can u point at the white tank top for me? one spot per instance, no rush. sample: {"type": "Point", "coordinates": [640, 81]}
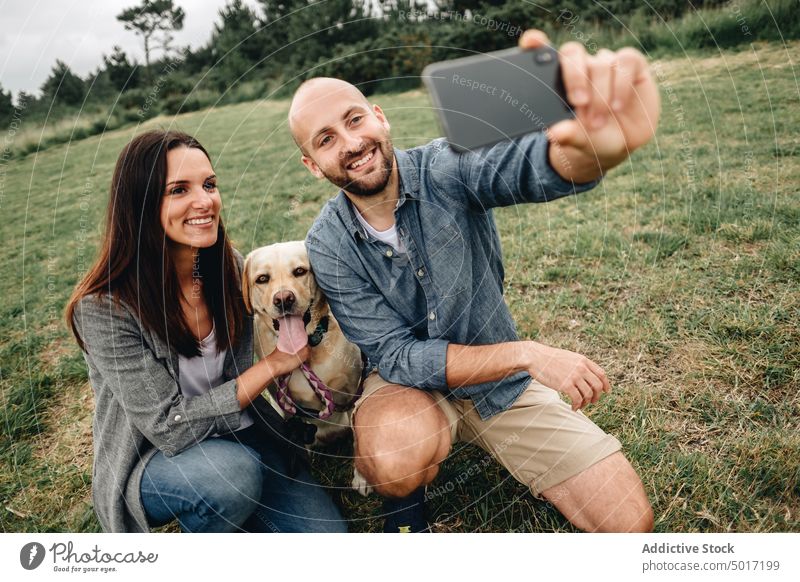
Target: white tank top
{"type": "Point", "coordinates": [201, 373]}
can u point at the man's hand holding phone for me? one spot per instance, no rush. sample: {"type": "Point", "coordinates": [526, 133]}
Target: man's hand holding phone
{"type": "Point", "coordinates": [616, 104]}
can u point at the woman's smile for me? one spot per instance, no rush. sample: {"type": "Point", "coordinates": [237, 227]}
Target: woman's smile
{"type": "Point", "coordinates": [204, 223]}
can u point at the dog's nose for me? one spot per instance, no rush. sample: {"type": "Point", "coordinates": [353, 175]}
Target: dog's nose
{"type": "Point", "coordinates": [284, 300]}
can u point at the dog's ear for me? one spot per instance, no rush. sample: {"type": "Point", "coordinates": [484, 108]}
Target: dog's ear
{"type": "Point", "coordinates": [246, 286]}
{"type": "Point", "coordinates": [320, 303]}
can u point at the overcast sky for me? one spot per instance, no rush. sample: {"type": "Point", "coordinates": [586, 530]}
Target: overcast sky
{"type": "Point", "coordinates": [34, 33]}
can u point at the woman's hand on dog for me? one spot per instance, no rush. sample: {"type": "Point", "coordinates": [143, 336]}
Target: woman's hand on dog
{"type": "Point", "coordinates": [255, 379]}
{"type": "Point", "coordinates": [282, 363]}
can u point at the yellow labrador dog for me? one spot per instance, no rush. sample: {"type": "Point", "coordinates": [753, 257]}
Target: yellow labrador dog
{"type": "Point", "coordinates": [291, 311]}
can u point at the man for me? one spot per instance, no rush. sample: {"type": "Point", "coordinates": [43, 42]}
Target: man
{"type": "Point", "coordinates": [409, 257]}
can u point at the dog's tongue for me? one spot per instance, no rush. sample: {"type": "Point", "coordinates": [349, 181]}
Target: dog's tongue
{"type": "Point", "coordinates": [292, 335]}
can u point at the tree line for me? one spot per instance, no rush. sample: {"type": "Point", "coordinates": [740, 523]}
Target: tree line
{"type": "Point", "coordinates": [379, 45]}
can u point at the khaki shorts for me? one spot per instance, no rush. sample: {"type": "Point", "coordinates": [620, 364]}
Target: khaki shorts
{"type": "Point", "coordinates": [540, 440]}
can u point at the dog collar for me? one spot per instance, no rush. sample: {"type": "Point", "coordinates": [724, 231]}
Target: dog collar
{"type": "Point", "coordinates": [322, 327]}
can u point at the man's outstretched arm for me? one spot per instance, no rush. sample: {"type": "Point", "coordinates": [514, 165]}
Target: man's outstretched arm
{"type": "Point", "coordinates": [563, 371]}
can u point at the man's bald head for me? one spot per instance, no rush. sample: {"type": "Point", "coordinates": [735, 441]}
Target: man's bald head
{"type": "Point", "coordinates": [314, 93]}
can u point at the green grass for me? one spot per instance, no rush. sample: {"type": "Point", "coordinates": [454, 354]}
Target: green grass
{"type": "Point", "coordinates": [733, 26]}
{"type": "Point", "coordinates": [679, 275]}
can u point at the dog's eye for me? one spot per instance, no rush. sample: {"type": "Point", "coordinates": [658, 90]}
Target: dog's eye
{"type": "Point", "coordinates": [300, 271]}
{"type": "Point", "coordinates": [261, 279]}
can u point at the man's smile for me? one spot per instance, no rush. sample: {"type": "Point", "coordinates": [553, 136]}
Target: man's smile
{"type": "Point", "coordinates": [363, 162]}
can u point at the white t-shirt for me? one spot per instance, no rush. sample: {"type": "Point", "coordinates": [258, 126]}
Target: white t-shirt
{"type": "Point", "coordinates": [201, 373]}
{"type": "Point", "coordinates": [388, 236]}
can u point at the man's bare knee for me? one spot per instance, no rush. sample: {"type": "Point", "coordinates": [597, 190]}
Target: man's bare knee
{"type": "Point", "coordinates": [607, 497]}
{"type": "Point", "coordinates": [401, 436]}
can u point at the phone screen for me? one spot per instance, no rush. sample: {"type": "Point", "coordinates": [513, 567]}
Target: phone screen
{"type": "Point", "coordinates": [491, 97]}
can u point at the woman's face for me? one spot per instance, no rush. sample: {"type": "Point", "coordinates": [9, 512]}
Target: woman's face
{"type": "Point", "coordinates": [191, 203]}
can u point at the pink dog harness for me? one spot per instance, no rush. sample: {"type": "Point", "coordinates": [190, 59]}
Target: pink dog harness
{"type": "Point", "coordinates": [289, 406]}
{"type": "Point", "coordinates": [320, 389]}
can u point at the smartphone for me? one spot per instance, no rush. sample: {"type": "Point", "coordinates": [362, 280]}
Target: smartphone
{"type": "Point", "coordinates": [483, 99]}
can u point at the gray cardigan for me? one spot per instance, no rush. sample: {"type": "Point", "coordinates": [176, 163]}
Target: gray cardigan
{"type": "Point", "coordinates": [139, 408]}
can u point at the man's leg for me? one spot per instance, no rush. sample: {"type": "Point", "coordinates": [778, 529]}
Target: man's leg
{"type": "Point", "coordinates": [401, 436]}
{"type": "Point", "coordinates": [606, 497]}
{"type": "Point", "coordinates": [564, 458]}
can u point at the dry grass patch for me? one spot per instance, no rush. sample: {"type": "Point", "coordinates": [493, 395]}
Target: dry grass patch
{"type": "Point", "coordinates": [64, 457]}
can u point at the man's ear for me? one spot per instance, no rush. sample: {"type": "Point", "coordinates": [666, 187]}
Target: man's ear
{"type": "Point", "coordinates": [381, 116]}
{"type": "Point", "coordinates": [246, 285]}
{"type": "Point", "coordinates": [312, 167]}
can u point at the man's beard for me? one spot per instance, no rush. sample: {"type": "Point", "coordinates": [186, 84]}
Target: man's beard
{"type": "Point", "coordinates": [372, 183]}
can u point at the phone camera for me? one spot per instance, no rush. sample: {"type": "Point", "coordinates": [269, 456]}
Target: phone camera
{"type": "Point", "coordinates": [544, 57]}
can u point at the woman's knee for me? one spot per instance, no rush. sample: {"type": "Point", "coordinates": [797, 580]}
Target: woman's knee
{"type": "Point", "coordinates": [214, 486]}
{"type": "Point", "coordinates": [233, 488]}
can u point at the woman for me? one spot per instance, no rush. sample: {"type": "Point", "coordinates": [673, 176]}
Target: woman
{"type": "Point", "coordinates": [180, 429]}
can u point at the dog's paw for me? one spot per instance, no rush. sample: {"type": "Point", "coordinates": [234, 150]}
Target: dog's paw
{"type": "Point", "coordinates": [360, 484]}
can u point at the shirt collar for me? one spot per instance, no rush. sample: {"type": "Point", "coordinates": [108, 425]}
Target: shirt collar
{"type": "Point", "coordinates": [409, 188]}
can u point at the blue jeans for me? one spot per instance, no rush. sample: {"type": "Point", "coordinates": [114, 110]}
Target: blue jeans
{"type": "Point", "coordinates": [220, 485]}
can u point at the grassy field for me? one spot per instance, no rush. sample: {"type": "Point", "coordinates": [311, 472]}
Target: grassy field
{"type": "Point", "coordinates": [679, 275]}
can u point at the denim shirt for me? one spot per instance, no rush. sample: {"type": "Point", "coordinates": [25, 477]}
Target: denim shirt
{"type": "Point", "coordinates": [403, 310]}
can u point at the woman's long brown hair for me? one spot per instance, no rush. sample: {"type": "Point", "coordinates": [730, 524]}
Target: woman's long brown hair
{"type": "Point", "coordinates": [134, 264]}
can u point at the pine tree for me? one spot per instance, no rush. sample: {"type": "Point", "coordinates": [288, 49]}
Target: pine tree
{"type": "Point", "coordinates": [151, 18]}
{"type": "Point", "coordinates": [63, 85]}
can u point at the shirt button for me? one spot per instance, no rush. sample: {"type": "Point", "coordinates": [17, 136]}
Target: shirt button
{"type": "Point", "coordinates": [421, 273]}
{"type": "Point", "coordinates": [177, 418]}
{"type": "Point", "coordinates": [389, 253]}
{"type": "Point", "coordinates": [432, 316]}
